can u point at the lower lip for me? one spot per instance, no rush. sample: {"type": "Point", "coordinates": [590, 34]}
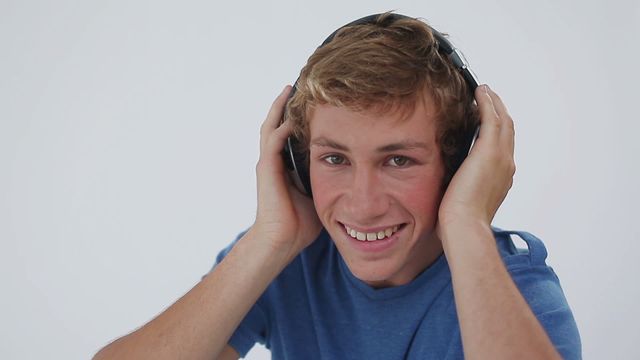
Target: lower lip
{"type": "Point", "coordinates": [376, 246]}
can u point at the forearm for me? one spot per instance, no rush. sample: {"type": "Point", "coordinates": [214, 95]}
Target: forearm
{"type": "Point", "coordinates": [495, 320]}
{"type": "Point", "coordinates": [199, 324]}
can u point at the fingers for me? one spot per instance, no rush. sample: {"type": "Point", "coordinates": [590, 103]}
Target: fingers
{"type": "Point", "coordinates": [278, 137]}
{"type": "Point", "coordinates": [272, 123]}
{"type": "Point", "coordinates": [496, 124]}
{"type": "Point", "coordinates": [273, 135]}
{"type": "Point", "coordinates": [507, 130]}
{"type": "Point", "coordinates": [489, 118]}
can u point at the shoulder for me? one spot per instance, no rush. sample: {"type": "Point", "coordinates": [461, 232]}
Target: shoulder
{"type": "Point", "coordinates": [529, 269]}
{"type": "Point", "coordinates": [535, 253]}
{"type": "Point", "coordinates": [540, 286]}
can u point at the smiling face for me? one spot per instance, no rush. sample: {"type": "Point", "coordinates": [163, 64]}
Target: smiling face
{"type": "Point", "coordinates": [377, 186]}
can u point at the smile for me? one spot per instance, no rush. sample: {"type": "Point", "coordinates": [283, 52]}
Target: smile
{"type": "Point", "coordinates": [371, 236]}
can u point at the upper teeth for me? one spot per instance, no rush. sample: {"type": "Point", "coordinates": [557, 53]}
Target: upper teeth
{"type": "Point", "coordinates": [371, 236]}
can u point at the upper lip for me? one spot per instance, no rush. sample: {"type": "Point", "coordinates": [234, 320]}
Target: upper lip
{"type": "Point", "coordinates": [369, 230]}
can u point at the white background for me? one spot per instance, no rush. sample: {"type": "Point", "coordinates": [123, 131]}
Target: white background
{"type": "Point", "coordinates": [129, 137]}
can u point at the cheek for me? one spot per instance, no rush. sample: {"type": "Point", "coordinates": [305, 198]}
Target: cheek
{"type": "Point", "coordinates": [422, 198]}
{"type": "Point", "coordinates": [325, 187]}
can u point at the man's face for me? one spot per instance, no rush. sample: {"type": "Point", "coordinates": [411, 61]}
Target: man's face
{"type": "Point", "coordinates": [378, 174]}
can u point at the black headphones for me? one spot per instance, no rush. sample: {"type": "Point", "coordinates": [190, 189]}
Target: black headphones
{"type": "Point", "coordinates": [296, 162]}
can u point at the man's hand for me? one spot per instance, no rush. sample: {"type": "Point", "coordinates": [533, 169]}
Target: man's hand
{"type": "Point", "coordinates": [286, 219]}
{"type": "Point", "coordinates": [486, 175]}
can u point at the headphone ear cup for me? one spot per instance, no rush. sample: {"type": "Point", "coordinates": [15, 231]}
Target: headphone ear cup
{"type": "Point", "coordinates": [296, 162]}
{"type": "Point", "coordinates": [295, 159]}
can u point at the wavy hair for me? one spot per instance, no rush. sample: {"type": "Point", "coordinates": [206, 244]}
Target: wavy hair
{"type": "Point", "coordinates": [387, 66]}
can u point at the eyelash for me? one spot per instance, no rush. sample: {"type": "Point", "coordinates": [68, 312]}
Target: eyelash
{"type": "Point", "coordinates": [408, 161]}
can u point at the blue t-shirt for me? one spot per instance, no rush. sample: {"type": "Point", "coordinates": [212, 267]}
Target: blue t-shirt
{"type": "Point", "coordinates": [317, 309]}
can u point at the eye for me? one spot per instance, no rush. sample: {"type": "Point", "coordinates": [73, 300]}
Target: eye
{"type": "Point", "coordinates": [334, 159]}
{"type": "Point", "coordinates": [399, 161]}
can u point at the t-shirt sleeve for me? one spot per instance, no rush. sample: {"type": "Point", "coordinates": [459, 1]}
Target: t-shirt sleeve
{"type": "Point", "coordinates": [253, 328]}
{"type": "Point", "coordinates": [541, 288]}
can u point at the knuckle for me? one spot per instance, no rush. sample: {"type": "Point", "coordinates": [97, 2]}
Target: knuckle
{"type": "Point", "coordinates": [265, 125]}
{"type": "Point", "coordinates": [508, 118]}
{"type": "Point", "coordinates": [261, 166]}
{"type": "Point", "coordinates": [510, 123]}
{"type": "Point", "coordinates": [282, 132]}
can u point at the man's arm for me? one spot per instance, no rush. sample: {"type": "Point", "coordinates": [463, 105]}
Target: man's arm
{"type": "Point", "coordinates": [199, 325]}
{"type": "Point", "coordinates": [495, 319]}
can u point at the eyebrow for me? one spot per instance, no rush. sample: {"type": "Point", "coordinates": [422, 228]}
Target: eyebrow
{"type": "Point", "coordinates": [402, 145]}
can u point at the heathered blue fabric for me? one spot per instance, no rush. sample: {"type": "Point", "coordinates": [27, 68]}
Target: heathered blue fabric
{"type": "Point", "coordinates": [317, 309]}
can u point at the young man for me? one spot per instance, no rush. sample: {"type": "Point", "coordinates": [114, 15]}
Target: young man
{"type": "Point", "coordinates": [394, 256]}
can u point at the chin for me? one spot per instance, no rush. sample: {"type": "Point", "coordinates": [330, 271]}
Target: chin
{"type": "Point", "coordinates": [376, 275]}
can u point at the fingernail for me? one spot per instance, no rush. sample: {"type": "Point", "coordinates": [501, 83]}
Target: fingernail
{"type": "Point", "coordinates": [284, 90]}
{"type": "Point", "coordinates": [486, 89]}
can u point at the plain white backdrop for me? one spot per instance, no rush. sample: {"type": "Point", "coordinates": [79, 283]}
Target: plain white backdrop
{"type": "Point", "coordinates": [129, 137]}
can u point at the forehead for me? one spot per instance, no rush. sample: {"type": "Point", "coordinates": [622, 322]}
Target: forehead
{"type": "Point", "coordinates": [417, 124]}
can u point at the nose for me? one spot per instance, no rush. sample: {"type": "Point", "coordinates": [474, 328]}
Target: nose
{"type": "Point", "coordinates": [366, 201]}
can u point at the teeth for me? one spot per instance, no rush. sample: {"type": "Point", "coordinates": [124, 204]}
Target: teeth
{"type": "Point", "coordinates": [371, 236]}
